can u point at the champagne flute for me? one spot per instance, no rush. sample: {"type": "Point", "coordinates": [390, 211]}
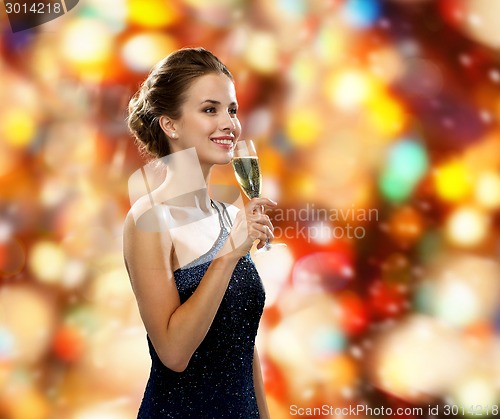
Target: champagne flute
{"type": "Point", "coordinates": [246, 168]}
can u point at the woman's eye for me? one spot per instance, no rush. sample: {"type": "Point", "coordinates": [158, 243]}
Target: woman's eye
{"type": "Point", "coordinates": [209, 110]}
{"type": "Point", "coordinates": [233, 111]}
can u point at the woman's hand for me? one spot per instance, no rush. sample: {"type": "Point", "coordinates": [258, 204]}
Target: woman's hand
{"type": "Point", "coordinates": [250, 224]}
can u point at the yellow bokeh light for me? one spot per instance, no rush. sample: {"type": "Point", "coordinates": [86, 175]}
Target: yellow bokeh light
{"type": "Point", "coordinates": [350, 89]}
{"type": "Point", "coordinates": [390, 374]}
{"type": "Point", "coordinates": [300, 187]}
{"type": "Point", "coordinates": [17, 127]}
{"type": "Point", "coordinates": [47, 261]}
{"type": "Point", "coordinates": [303, 72]}
{"type": "Point", "coordinates": [478, 391]}
{"type": "Point", "coordinates": [262, 52]}
{"type": "Point", "coordinates": [143, 51]}
{"type": "Point", "coordinates": [337, 373]}
{"type": "Point", "coordinates": [458, 305]}
{"type": "Point", "coordinates": [30, 319]}
{"type": "Point", "coordinates": [386, 115]}
{"type": "Point", "coordinates": [200, 4]}
{"type": "Point", "coordinates": [28, 402]}
{"type": "Point", "coordinates": [110, 286]}
{"type": "Point", "coordinates": [467, 226]}
{"type": "Point", "coordinates": [487, 190]}
{"type": "Point", "coordinates": [413, 360]}
{"type": "Point", "coordinates": [331, 43]}
{"type": "Point", "coordinates": [87, 44]}
{"type": "Point", "coordinates": [465, 289]}
{"type": "Point", "coordinates": [303, 127]}
{"type": "Point", "coordinates": [152, 13]}
{"type": "Point", "coordinates": [452, 181]}
{"type": "Point", "coordinates": [276, 408]}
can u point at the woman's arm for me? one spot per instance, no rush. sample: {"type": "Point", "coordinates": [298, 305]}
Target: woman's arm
{"type": "Point", "coordinates": [259, 387]}
{"type": "Point", "coordinates": [176, 330]}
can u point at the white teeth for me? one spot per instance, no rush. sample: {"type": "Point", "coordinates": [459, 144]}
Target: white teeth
{"type": "Point", "coordinates": [227, 142]}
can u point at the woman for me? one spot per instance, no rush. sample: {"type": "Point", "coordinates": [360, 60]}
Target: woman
{"type": "Point", "coordinates": [198, 292]}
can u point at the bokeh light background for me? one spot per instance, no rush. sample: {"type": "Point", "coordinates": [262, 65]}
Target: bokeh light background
{"type": "Point", "coordinates": [382, 114]}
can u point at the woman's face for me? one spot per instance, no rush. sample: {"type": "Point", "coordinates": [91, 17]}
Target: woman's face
{"type": "Point", "coordinates": [208, 120]}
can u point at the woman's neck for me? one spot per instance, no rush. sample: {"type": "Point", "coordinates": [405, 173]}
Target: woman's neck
{"type": "Point", "coordinates": [186, 182]}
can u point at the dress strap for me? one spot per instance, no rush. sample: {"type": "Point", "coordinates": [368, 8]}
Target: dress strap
{"type": "Point", "coordinates": [221, 219]}
{"type": "Point", "coordinates": [224, 216]}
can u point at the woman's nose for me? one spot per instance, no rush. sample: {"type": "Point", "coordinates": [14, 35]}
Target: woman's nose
{"type": "Point", "coordinates": [228, 121]}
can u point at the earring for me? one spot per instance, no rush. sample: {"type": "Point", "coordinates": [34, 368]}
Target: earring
{"type": "Point", "coordinates": [174, 135]}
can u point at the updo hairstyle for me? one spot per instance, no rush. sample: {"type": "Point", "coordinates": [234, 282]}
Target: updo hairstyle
{"type": "Point", "coordinates": [164, 92]}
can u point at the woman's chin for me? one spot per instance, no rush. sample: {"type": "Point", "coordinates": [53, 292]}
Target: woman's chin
{"type": "Point", "coordinates": [223, 158]}
{"type": "Point", "coordinates": [223, 162]}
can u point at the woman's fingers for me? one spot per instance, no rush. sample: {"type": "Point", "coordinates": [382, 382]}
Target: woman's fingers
{"type": "Point", "coordinates": [262, 222]}
{"type": "Point", "coordinates": [265, 220]}
{"type": "Point", "coordinates": [256, 204]}
{"type": "Point", "coordinates": [265, 231]}
{"type": "Point", "coordinates": [252, 224]}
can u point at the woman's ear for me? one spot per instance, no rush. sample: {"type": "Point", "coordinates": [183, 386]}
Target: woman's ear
{"type": "Point", "coordinates": [168, 127]}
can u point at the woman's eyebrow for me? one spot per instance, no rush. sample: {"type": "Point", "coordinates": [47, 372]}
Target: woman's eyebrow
{"type": "Point", "coordinates": [213, 102]}
{"type": "Point", "coordinates": [216, 102]}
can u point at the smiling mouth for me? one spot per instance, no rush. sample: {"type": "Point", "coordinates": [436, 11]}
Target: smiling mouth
{"type": "Point", "coordinates": [222, 141]}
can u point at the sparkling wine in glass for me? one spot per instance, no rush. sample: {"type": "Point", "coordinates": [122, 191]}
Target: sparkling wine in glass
{"type": "Point", "coordinates": [246, 168]}
{"type": "Point", "coordinates": [247, 171]}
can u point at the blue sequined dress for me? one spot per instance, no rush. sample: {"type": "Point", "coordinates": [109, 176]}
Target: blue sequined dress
{"type": "Point", "coordinates": [218, 381]}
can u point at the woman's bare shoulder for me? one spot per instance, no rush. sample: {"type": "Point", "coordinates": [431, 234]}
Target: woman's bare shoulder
{"type": "Point", "coordinates": [145, 217]}
{"type": "Point", "coordinates": [146, 241]}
